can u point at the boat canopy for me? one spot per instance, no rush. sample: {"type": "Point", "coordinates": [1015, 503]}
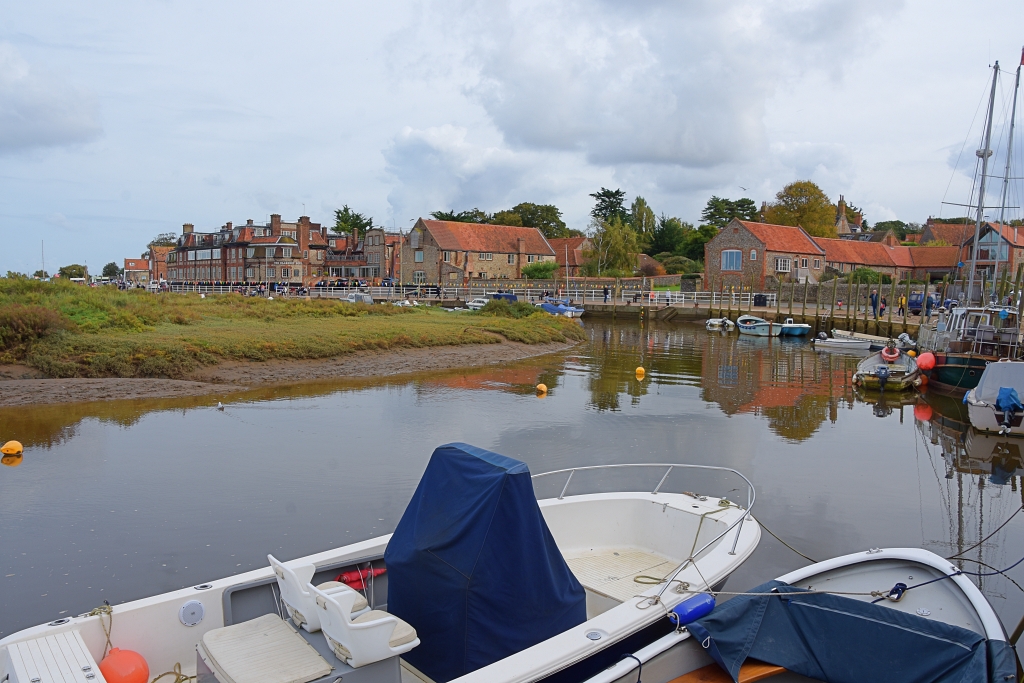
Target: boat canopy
{"type": "Point", "coordinates": [998, 375]}
{"type": "Point", "coordinates": [473, 567]}
{"type": "Point", "coordinates": [842, 640]}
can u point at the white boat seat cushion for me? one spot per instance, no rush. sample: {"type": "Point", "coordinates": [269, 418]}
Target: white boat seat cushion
{"type": "Point", "coordinates": [263, 650]}
{"type": "Point", "coordinates": [402, 634]}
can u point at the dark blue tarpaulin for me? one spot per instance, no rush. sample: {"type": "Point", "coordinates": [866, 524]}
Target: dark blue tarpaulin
{"type": "Point", "coordinates": [473, 567]}
{"type": "Point", "coordinates": [841, 640]}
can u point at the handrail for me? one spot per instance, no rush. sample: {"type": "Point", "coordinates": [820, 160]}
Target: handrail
{"type": "Point", "coordinates": [738, 524]}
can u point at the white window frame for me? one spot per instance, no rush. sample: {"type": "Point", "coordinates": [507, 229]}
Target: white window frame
{"type": "Point", "coordinates": [783, 264]}
{"type": "Point", "coordinates": [271, 271]}
{"type": "Point", "coordinates": [817, 264]}
{"type": "Point", "coordinates": [419, 277]}
{"type": "Point", "coordinates": [446, 256]}
{"type": "Point", "coordinates": [738, 258]}
{"type": "Point", "coordinates": [485, 256]}
{"type": "Point", "coordinates": [249, 273]}
{"type": "Point", "coordinates": [286, 252]}
{"type": "Point", "coordinates": [753, 254]}
{"type": "Point", "coordinates": [250, 252]}
{"type": "Point", "coordinates": [511, 259]}
{"type": "Point", "coordinates": [417, 256]}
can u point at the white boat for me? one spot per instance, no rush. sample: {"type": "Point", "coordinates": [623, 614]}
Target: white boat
{"type": "Point", "coordinates": [994, 405]}
{"type": "Point", "coordinates": [719, 324]}
{"type": "Point", "coordinates": [889, 368]}
{"type": "Point", "coordinates": [477, 304]}
{"type": "Point", "coordinates": [824, 342]}
{"type": "Point", "coordinates": [792, 329]}
{"type": "Point", "coordinates": [758, 327]}
{"type": "Point", "coordinates": [616, 561]}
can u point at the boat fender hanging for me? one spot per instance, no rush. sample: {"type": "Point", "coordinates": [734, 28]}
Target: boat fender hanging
{"type": "Point", "coordinates": [926, 361]}
{"type": "Point", "coordinates": [692, 609]}
{"type": "Point", "coordinates": [124, 666]}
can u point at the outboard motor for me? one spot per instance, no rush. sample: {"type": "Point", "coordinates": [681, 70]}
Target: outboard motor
{"type": "Point", "coordinates": [905, 339]}
{"type": "Point", "coordinates": [882, 373]}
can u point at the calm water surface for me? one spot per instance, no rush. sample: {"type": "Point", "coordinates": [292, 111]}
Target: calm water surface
{"type": "Point", "coordinates": [120, 500]}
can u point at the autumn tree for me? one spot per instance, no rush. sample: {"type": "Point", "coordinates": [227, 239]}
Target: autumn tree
{"type": "Point", "coordinates": [614, 248]}
{"type": "Point", "coordinates": [803, 203]}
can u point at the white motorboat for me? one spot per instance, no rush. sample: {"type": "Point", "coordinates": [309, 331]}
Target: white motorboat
{"type": "Point", "coordinates": [606, 566]}
{"type": "Point", "coordinates": [719, 324]}
{"type": "Point", "coordinates": [792, 329]}
{"type": "Point", "coordinates": [824, 342]}
{"type": "Point", "coordinates": [758, 327]}
{"type": "Point", "coordinates": [994, 405]}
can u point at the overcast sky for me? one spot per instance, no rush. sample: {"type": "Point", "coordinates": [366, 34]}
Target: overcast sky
{"type": "Point", "coordinates": [119, 121]}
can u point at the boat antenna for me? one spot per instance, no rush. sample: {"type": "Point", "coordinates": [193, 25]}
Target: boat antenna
{"type": "Point", "coordinates": [984, 154]}
{"type": "Point", "coordinates": [1006, 177]}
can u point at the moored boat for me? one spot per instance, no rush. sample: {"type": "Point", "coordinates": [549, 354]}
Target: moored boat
{"type": "Point", "coordinates": [994, 405]}
{"type": "Point", "coordinates": [966, 339]}
{"type": "Point", "coordinates": [758, 327]}
{"type": "Point", "coordinates": [719, 324]}
{"type": "Point", "coordinates": [560, 307]}
{"type": "Point", "coordinates": [572, 577]}
{"type": "Point", "coordinates": [890, 368]}
{"type": "Point", "coordinates": [792, 329]}
{"type": "Point", "coordinates": [824, 342]}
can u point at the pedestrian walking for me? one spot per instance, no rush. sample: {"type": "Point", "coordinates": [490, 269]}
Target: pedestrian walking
{"type": "Point", "coordinates": [927, 307]}
{"type": "Point", "coordinates": [874, 303]}
{"type": "Point", "coordinates": [607, 294]}
{"type": "Point", "coordinates": [881, 307]}
{"type": "Point", "coordinates": [903, 306]}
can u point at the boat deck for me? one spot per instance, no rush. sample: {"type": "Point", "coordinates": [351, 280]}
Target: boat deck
{"type": "Point", "coordinates": [610, 571]}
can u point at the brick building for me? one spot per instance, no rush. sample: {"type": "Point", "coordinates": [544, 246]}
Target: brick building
{"type": "Point", "coordinates": [292, 253]}
{"type": "Point", "coordinates": [136, 271]}
{"type": "Point", "coordinates": [569, 254]}
{"type": "Point", "coordinates": [448, 252]}
{"type": "Point", "coordinates": [157, 256]}
{"type": "Point", "coordinates": [903, 263]}
{"type": "Point", "coordinates": [743, 252]}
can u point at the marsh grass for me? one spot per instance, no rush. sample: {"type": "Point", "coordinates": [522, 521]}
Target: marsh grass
{"type": "Point", "coordinates": [67, 330]}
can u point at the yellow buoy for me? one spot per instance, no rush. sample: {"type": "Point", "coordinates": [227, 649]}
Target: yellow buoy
{"type": "Point", "coordinates": [911, 353]}
{"type": "Point", "coordinates": [11, 460]}
{"type": "Point", "coordinates": [640, 372]}
{"type": "Point", "coordinates": [12, 448]}
{"type": "Point", "coordinates": [542, 389]}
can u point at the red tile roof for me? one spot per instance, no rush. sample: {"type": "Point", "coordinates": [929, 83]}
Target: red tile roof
{"type": "Point", "coordinates": [782, 238]}
{"type": "Point", "coordinates": [136, 264]}
{"type": "Point", "coordinates": [479, 237]}
{"type": "Point", "coordinates": [851, 251]}
{"type": "Point", "coordinates": [284, 241]}
{"type": "Point", "coordinates": [575, 247]}
{"type": "Point", "coordinates": [935, 257]}
{"type": "Point", "coordinates": [953, 233]}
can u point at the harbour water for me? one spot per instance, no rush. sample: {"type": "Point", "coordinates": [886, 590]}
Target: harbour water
{"type": "Point", "coordinates": [119, 500]}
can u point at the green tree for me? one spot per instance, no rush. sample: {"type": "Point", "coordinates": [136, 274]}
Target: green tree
{"type": "Point", "coordinates": [41, 274]}
{"type": "Point", "coordinates": [898, 227]}
{"type": "Point", "coordinates": [545, 217]}
{"type": "Point", "coordinates": [803, 203]}
{"type": "Point", "coordinates": [348, 221]}
{"type": "Point", "coordinates": [471, 216]}
{"type": "Point", "coordinates": [507, 218]}
{"type": "Point", "coordinates": [111, 270]}
{"type": "Point", "coordinates": [694, 241]}
{"type": "Point", "coordinates": [609, 204]}
{"type": "Point", "coordinates": [541, 270]}
{"type": "Point", "coordinates": [668, 235]}
{"type": "Point", "coordinates": [74, 270]}
{"type": "Point", "coordinates": [642, 220]}
{"type": "Point", "coordinates": [164, 239]}
{"type": "Point", "coordinates": [15, 275]}
{"type": "Point", "coordinates": [719, 211]}
{"type": "Point", "coordinates": [868, 276]}
{"type": "Point", "coordinates": [614, 248]}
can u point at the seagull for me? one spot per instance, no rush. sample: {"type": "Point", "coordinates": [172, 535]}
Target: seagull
{"type": "Point", "coordinates": [220, 406]}
{"type": "Point", "coordinates": [743, 188]}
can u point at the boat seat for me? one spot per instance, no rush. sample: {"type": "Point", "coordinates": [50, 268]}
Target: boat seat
{"type": "Point", "coordinates": [751, 671]}
{"type": "Point", "coordinates": [263, 650]}
{"type": "Point", "coordinates": [367, 638]}
{"type": "Point", "coordinates": [296, 599]}
{"type": "Point", "coordinates": [58, 658]}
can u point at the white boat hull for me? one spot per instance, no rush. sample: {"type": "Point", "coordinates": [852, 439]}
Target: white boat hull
{"type": "Point", "coordinates": [758, 327]}
{"type": "Point", "coordinates": [984, 417]}
{"type": "Point", "coordinates": [842, 344]}
{"type": "Point", "coordinates": [592, 531]}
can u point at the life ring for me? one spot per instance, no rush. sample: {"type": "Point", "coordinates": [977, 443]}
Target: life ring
{"type": "Point", "coordinates": [890, 354]}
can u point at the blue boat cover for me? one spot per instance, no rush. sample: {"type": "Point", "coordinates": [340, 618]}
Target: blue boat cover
{"type": "Point", "coordinates": [1008, 400]}
{"type": "Point", "coordinates": [841, 640]}
{"type": "Point", "coordinates": [473, 567]}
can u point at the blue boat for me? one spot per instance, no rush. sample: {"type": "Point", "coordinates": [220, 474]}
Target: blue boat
{"type": "Point", "coordinates": [561, 307]}
{"type": "Point", "coordinates": [792, 329]}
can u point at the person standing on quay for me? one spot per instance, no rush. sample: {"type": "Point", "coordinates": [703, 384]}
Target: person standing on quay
{"type": "Point", "coordinates": [874, 303]}
{"type": "Point", "coordinates": [927, 306]}
{"type": "Point", "coordinates": [903, 305]}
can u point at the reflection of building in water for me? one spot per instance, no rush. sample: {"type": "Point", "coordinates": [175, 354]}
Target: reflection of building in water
{"type": "Point", "coordinates": [520, 378]}
{"type": "Point", "coordinates": [788, 383]}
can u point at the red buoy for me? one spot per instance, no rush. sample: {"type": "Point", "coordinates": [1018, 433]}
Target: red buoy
{"type": "Point", "coordinates": [923, 412]}
{"type": "Point", "coordinates": [926, 361]}
{"type": "Point", "coordinates": [124, 666]}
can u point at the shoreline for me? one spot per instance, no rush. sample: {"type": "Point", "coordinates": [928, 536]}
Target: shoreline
{"type": "Point", "coordinates": [22, 385]}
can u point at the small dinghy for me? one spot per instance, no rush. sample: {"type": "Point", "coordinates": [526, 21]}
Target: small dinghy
{"type": "Point", "coordinates": [995, 405]}
{"type": "Point", "coordinates": [792, 329]}
{"type": "Point", "coordinates": [719, 324]}
{"type": "Point", "coordinates": [890, 368]}
{"type": "Point", "coordinates": [560, 307]}
{"type": "Point", "coordinates": [758, 327]}
{"type": "Point", "coordinates": [826, 343]}
{"type": "Point", "coordinates": [481, 582]}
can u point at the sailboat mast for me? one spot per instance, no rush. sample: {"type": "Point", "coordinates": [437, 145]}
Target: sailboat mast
{"type": "Point", "coordinates": [1006, 180]}
{"type": "Point", "coordinates": [984, 153]}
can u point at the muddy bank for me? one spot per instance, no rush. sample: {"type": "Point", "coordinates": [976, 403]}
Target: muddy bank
{"type": "Point", "coordinates": [21, 385]}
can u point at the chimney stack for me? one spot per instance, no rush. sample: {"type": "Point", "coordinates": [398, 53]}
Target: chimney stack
{"type": "Point", "coordinates": [187, 228]}
{"type": "Point", "coordinates": [228, 226]}
{"type": "Point", "coordinates": [249, 222]}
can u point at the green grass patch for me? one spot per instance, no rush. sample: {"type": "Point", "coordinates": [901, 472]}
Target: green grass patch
{"type": "Point", "coordinates": [68, 330]}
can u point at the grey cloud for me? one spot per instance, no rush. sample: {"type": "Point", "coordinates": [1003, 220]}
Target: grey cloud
{"type": "Point", "coordinates": [37, 110]}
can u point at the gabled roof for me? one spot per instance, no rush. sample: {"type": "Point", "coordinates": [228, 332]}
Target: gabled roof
{"type": "Point", "coordinates": [481, 237]}
{"type": "Point", "coordinates": [136, 264]}
{"type": "Point", "coordinates": [935, 257]}
{"type": "Point", "coordinates": [1012, 234]}
{"type": "Point", "coordinates": [782, 238]}
{"type": "Point", "coordinates": [855, 251]}
{"type": "Point", "coordinates": [573, 245]}
{"type": "Point", "coordinates": [283, 241]}
{"type": "Point", "coordinates": [953, 233]}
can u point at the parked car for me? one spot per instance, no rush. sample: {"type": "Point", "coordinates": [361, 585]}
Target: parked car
{"type": "Point", "coordinates": [916, 302]}
{"type": "Point", "coordinates": [477, 304]}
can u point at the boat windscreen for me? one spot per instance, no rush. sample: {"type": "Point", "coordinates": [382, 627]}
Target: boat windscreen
{"type": "Point", "coordinates": [473, 567]}
{"type": "Point", "coordinates": [996, 375]}
{"type": "Point", "coordinates": [839, 639]}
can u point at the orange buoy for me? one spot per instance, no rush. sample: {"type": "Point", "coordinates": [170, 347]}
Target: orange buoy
{"type": "Point", "coordinates": [640, 372]}
{"type": "Point", "coordinates": [124, 666]}
{"type": "Point", "coordinates": [11, 460]}
{"type": "Point", "coordinates": [923, 412]}
{"type": "Point", "coordinates": [911, 353]}
{"type": "Point", "coordinates": [926, 361]}
{"type": "Point", "coordinates": [542, 389]}
{"type": "Point", "coordinates": [12, 448]}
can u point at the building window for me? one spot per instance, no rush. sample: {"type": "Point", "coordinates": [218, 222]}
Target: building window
{"type": "Point", "coordinates": [753, 254]}
{"type": "Point", "coordinates": [333, 243]}
{"type": "Point", "coordinates": [530, 258]}
{"type": "Point", "coordinates": [419, 276]}
{"type": "Point", "coordinates": [248, 273]}
{"type": "Point", "coordinates": [305, 253]}
{"type": "Point", "coordinates": [511, 259]}
{"type": "Point", "coordinates": [418, 256]}
{"type": "Point", "coordinates": [817, 264]}
{"type": "Point", "coordinates": [803, 263]}
{"type": "Point", "coordinates": [270, 252]}
{"type": "Point", "coordinates": [286, 273]}
{"type": "Point", "coordinates": [732, 259]}
{"type": "Point", "coordinates": [486, 256]}
{"type": "Point", "coordinates": [216, 254]}
{"type": "Point", "coordinates": [783, 265]}
{"type": "Point", "coordinates": [250, 252]}
{"type": "Point", "coordinates": [482, 276]}
{"type": "Point", "coordinates": [271, 271]}
{"type": "Point", "coordinates": [446, 256]}
{"type": "Point", "coordinates": [286, 252]}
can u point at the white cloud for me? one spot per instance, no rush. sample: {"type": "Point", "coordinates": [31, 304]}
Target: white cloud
{"type": "Point", "coordinates": [38, 110]}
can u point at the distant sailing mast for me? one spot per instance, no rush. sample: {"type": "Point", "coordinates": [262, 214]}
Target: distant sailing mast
{"type": "Point", "coordinates": [984, 154]}
{"type": "Point", "coordinates": [1006, 185]}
